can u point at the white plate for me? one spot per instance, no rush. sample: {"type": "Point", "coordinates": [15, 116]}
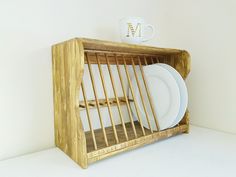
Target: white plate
{"type": "Point", "coordinates": [165, 96]}
{"type": "Point", "coordinates": [182, 89]}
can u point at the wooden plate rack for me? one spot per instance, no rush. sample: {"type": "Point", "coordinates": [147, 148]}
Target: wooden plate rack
{"type": "Point", "coordinates": [69, 61]}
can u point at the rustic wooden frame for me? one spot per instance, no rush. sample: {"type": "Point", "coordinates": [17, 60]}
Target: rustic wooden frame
{"type": "Point", "coordinates": [69, 58]}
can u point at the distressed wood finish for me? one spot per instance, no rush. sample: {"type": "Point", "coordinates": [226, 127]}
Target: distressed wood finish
{"type": "Point", "coordinates": [103, 102]}
{"type": "Point", "coordinates": [68, 67]}
{"type": "Point", "coordinates": [131, 144]}
{"type": "Point", "coordinates": [68, 60]}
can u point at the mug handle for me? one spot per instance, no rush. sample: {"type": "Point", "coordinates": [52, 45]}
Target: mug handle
{"type": "Point", "coordinates": [152, 33]}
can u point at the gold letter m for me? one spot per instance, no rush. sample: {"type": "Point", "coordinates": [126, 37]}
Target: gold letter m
{"type": "Point", "coordinates": [134, 31]}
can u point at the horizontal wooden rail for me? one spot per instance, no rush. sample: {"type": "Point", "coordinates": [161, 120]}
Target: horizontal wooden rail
{"type": "Point", "coordinates": [103, 102]}
{"type": "Point", "coordinates": [120, 58]}
{"type": "Point", "coordinates": [111, 53]}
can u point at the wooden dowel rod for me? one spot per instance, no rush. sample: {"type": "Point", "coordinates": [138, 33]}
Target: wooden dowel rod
{"type": "Point", "coordinates": [96, 99]}
{"type": "Point", "coordinates": [141, 95]}
{"type": "Point", "coordinates": [133, 95]}
{"type": "Point", "coordinates": [152, 60]}
{"type": "Point", "coordinates": [117, 100]}
{"type": "Point", "coordinates": [145, 61]}
{"type": "Point", "coordinates": [88, 115]}
{"type": "Point", "coordinates": [172, 59]}
{"type": "Point", "coordinates": [126, 98]}
{"type": "Point", "coordinates": [157, 60]}
{"type": "Point", "coordinates": [107, 99]}
{"type": "Point", "coordinates": [148, 94]}
{"type": "Point", "coordinates": [165, 60]}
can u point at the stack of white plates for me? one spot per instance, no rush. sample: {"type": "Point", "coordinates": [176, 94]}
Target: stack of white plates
{"type": "Point", "coordinates": [168, 93]}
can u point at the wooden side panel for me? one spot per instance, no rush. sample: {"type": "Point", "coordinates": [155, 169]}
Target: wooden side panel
{"type": "Point", "coordinates": [185, 120]}
{"type": "Point", "coordinates": [68, 66]}
{"type": "Point", "coordinates": [60, 132]}
{"type": "Point", "coordinates": [183, 63]}
{"type": "Point", "coordinates": [183, 66]}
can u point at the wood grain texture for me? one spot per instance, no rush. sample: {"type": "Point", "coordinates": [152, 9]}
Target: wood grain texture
{"type": "Point", "coordinates": [88, 115]}
{"type": "Point", "coordinates": [96, 99]}
{"type": "Point", "coordinates": [134, 97]}
{"type": "Point", "coordinates": [141, 96]}
{"type": "Point", "coordinates": [103, 102]}
{"type": "Point", "coordinates": [127, 100]}
{"type": "Point", "coordinates": [135, 143]}
{"type": "Point", "coordinates": [148, 93]}
{"type": "Point", "coordinates": [117, 99]}
{"type": "Point", "coordinates": [68, 67]}
{"type": "Point", "coordinates": [92, 44]}
{"type": "Point", "coordinates": [68, 60]}
{"type": "Point", "coordinates": [108, 102]}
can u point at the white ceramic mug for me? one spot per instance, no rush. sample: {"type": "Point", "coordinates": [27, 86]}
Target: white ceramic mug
{"type": "Point", "coordinates": [134, 30]}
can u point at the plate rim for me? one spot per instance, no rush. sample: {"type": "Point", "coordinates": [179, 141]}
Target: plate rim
{"type": "Point", "coordinates": [146, 71]}
{"type": "Point", "coordinates": [182, 89]}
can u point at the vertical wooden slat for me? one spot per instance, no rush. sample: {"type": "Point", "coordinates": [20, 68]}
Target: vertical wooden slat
{"type": "Point", "coordinates": [145, 61]}
{"type": "Point", "coordinates": [141, 94]}
{"type": "Point", "coordinates": [172, 61]}
{"type": "Point", "coordinates": [148, 93]}
{"type": "Point", "coordinates": [161, 59]}
{"type": "Point", "coordinates": [88, 115]}
{"type": "Point", "coordinates": [126, 98]}
{"type": "Point", "coordinates": [152, 61]}
{"type": "Point", "coordinates": [157, 60]}
{"type": "Point", "coordinates": [107, 99]}
{"type": "Point", "coordinates": [96, 99]}
{"type": "Point", "coordinates": [165, 59]}
{"type": "Point", "coordinates": [133, 95]}
{"type": "Point", "coordinates": [117, 100]}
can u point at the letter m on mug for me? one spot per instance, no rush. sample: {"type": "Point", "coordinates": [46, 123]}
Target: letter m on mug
{"type": "Point", "coordinates": [134, 31]}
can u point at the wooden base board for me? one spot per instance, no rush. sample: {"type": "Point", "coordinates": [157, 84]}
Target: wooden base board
{"type": "Point", "coordinates": [110, 135]}
{"type": "Point", "coordinates": [113, 148]}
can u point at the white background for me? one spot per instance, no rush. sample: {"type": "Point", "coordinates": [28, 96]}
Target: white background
{"type": "Point", "coordinates": [28, 28]}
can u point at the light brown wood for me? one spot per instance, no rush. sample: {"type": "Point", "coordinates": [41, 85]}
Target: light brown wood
{"type": "Point", "coordinates": [108, 102]}
{"type": "Point", "coordinates": [68, 66]}
{"type": "Point", "coordinates": [157, 60]}
{"type": "Point", "coordinates": [152, 61]}
{"type": "Point", "coordinates": [88, 115]}
{"type": "Point", "coordinates": [113, 56]}
{"type": "Point", "coordinates": [141, 95]}
{"type": "Point", "coordinates": [131, 144]}
{"type": "Point", "coordinates": [134, 97]}
{"type": "Point", "coordinates": [103, 102]}
{"type": "Point", "coordinates": [148, 94]}
{"type": "Point", "coordinates": [96, 99]}
{"type": "Point", "coordinates": [110, 135]}
{"type": "Point", "coordinates": [68, 60]}
{"type": "Point", "coordinates": [120, 132]}
{"type": "Point", "coordinates": [117, 100]}
{"type": "Point", "coordinates": [126, 98]}
{"type": "Point", "coordinates": [93, 44]}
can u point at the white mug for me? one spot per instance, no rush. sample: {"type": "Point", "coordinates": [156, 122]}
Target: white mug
{"type": "Point", "coordinates": [134, 30]}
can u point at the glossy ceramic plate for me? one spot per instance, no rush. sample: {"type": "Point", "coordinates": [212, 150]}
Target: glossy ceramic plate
{"type": "Point", "coordinates": [165, 95]}
{"type": "Point", "coordinates": [182, 89]}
